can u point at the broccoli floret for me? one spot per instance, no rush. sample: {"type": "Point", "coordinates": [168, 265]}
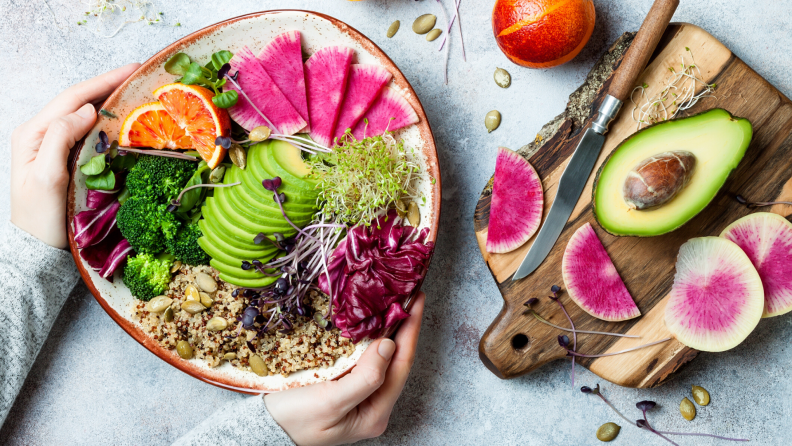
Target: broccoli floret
{"type": "Point", "coordinates": [148, 276]}
{"type": "Point", "coordinates": [159, 178]}
{"type": "Point", "coordinates": [146, 224]}
{"type": "Point", "coordinates": [185, 245]}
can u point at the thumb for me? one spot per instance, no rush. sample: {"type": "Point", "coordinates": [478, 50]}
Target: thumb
{"type": "Point", "coordinates": [367, 376]}
{"type": "Point", "coordinates": [61, 136]}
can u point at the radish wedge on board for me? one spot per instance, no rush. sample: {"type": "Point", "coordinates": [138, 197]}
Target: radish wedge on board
{"type": "Point", "coordinates": [282, 59]}
{"type": "Point", "coordinates": [717, 298]}
{"type": "Point", "coordinates": [389, 112]}
{"type": "Point", "coordinates": [264, 93]}
{"type": "Point", "coordinates": [326, 74]}
{"type": "Point", "coordinates": [516, 205]}
{"type": "Point", "coordinates": [364, 86]}
{"type": "Point", "coordinates": [592, 280]}
{"type": "Point", "coordinates": [767, 240]}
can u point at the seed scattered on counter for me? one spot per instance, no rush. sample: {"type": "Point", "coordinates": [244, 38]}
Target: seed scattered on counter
{"type": "Point", "coordinates": [608, 431]}
{"type": "Point", "coordinates": [687, 409]}
{"type": "Point", "coordinates": [393, 28]}
{"type": "Point", "coordinates": [433, 34]}
{"type": "Point", "coordinates": [424, 23]}
{"type": "Point", "coordinates": [492, 120]}
{"type": "Point", "coordinates": [701, 396]}
{"type": "Point", "coordinates": [502, 78]}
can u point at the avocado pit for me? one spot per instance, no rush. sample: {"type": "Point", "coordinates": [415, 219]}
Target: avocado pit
{"type": "Point", "coordinates": [657, 179]}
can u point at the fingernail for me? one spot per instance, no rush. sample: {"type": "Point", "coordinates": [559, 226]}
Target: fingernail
{"type": "Point", "coordinates": [86, 111]}
{"type": "Point", "coordinates": [386, 349]}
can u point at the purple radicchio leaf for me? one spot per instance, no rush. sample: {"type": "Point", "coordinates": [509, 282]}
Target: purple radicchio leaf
{"type": "Point", "coordinates": [96, 199]}
{"type": "Point", "coordinates": [92, 226]}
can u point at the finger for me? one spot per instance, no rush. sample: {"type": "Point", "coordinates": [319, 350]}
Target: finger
{"type": "Point", "coordinates": [385, 397]}
{"type": "Point", "coordinates": [61, 136]}
{"type": "Point", "coordinates": [367, 376]}
{"type": "Point", "coordinates": [74, 97]}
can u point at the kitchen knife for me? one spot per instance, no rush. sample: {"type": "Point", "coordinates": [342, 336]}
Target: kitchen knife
{"type": "Point", "coordinates": [578, 170]}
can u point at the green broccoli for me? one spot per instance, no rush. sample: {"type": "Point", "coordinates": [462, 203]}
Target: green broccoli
{"type": "Point", "coordinates": [148, 276]}
{"type": "Point", "coordinates": [185, 245]}
{"type": "Point", "coordinates": [146, 224]}
{"type": "Point", "coordinates": [159, 178]}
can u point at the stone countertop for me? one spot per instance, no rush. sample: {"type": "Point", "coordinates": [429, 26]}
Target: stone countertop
{"type": "Point", "coordinates": [93, 384]}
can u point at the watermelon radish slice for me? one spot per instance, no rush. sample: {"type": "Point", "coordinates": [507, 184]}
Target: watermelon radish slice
{"type": "Point", "coordinates": [363, 88]}
{"type": "Point", "coordinates": [767, 240]}
{"type": "Point", "coordinates": [282, 60]}
{"type": "Point", "coordinates": [516, 205]}
{"type": "Point", "coordinates": [717, 297]}
{"type": "Point", "coordinates": [592, 280]}
{"type": "Point", "coordinates": [265, 94]}
{"type": "Point", "coordinates": [326, 74]}
{"type": "Point", "coordinates": [389, 112]}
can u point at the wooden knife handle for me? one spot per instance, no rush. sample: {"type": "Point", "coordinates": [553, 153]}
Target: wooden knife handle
{"type": "Point", "coordinates": [642, 48]}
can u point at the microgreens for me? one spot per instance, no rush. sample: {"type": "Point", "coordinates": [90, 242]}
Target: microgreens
{"type": "Point", "coordinates": [755, 204]}
{"type": "Point", "coordinates": [105, 9]}
{"type": "Point", "coordinates": [564, 345]}
{"type": "Point", "coordinates": [164, 153]}
{"type": "Point", "coordinates": [532, 312]}
{"type": "Point", "coordinates": [555, 289]}
{"type": "Point", "coordinates": [363, 177]}
{"type": "Point", "coordinates": [212, 75]}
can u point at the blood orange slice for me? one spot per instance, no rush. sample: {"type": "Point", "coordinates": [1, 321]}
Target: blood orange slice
{"type": "Point", "coordinates": [192, 108]}
{"type": "Point", "coordinates": [151, 126]}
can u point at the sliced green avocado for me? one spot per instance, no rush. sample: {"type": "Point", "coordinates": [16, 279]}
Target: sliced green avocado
{"type": "Point", "coordinates": [237, 276]}
{"type": "Point", "coordinates": [218, 244]}
{"type": "Point", "coordinates": [248, 283]}
{"type": "Point", "coordinates": [716, 138]}
{"type": "Point", "coordinates": [264, 216]}
{"type": "Point", "coordinates": [215, 226]}
{"type": "Point", "coordinates": [296, 199]}
{"type": "Point", "coordinates": [257, 200]}
{"type": "Point", "coordinates": [258, 223]}
{"type": "Point", "coordinates": [289, 166]}
{"type": "Point", "coordinates": [224, 255]}
{"type": "Point", "coordinates": [228, 222]}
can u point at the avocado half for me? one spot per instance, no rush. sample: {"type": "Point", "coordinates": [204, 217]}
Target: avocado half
{"type": "Point", "coordinates": [716, 138]}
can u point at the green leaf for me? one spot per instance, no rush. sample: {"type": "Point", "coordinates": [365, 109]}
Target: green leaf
{"type": "Point", "coordinates": [102, 181]}
{"type": "Point", "coordinates": [178, 64]}
{"type": "Point", "coordinates": [95, 166]}
{"type": "Point", "coordinates": [123, 195]}
{"type": "Point", "coordinates": [194, 197]}
{"type": "Point", "coordinates": [194, 75]}
{"type": "Point", "coordinates": [121, 163]}
{"type": "Point", "coordinates": [221, 58]}
{"type": "Point", "coordinates": [226, 99]}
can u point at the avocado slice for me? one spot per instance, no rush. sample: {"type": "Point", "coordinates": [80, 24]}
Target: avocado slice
{"type": "Point", "coordinates": [224, 255]}
{"type": "Point", "coordinates": [214, 225]}
{"type": "Point", "coordinates": [264, 216]}
{"type": "Point", "coordinates": [237, 276]}
{"type": "Point", "coordinates": [257, 221]}
{"type": "Point", "coordinates": [295, 199]}
{"type": "Point", "coordinates": [211, 240]}
{"type": "Point", "coordinates": [717, 139]}
{"type": "Point", "coordinates": [290, 166]}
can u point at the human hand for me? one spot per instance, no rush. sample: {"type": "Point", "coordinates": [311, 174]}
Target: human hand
{"type": "Point", "coordinates": [40, 148]}
{"type": "Point", "coordinates": [358, 405]}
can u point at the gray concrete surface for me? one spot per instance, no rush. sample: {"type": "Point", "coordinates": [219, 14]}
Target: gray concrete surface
{"type": "Point", "coordinates": [94, 385]}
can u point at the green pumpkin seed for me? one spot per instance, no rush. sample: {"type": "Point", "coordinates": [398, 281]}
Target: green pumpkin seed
{"type": "Point", "coordinates": [167, 316]}
{"type": "Point", "coordinates": [184, 349]}
{"type": "Point", "coordinates": [238, 156]}
{"type": "Point", "coordinates": [608, 431]}
{"type": "Point", "coordinates": [193, 306]}
{"type": "Point", "coordinates": [393, 28]}
{"type": "Point", "coordinates": [492, 120]}
{"type": "Point", "coordinates": [217, 175]}
{"type": "Point", "coordinates": [401, 208]}
{"type": "Point", "coordinates": [502, 78]}
{"type": "Point", "coordinates": [260, 133]}
{"type": "Point", "coordinates": [433, 34]}
{"type": "Point", "coordinates": [700, 396]}
{"type": "Point", "coordinates": [229, 356]}
{"type": "Point", "coordinates": [206, 300]}
{"type": "Point", "coordinates": [424, 23]}
{"type": "Point", "coordinates": [687, 409]}
{"type": "Point", "coordinates": [191, 293]}
{"type": "Point", "coordinates": [413, 214]}
{"type": "Point", "coordinates": [176, 267]}
{"type": "Point", "coordinates": [258, 366]}
{"type": "Point", "coordinates": [217, 324]}
{"type": "Point", "coordinates": [159, 304]}
{"type": "Point", "coordinates": [206, 282]}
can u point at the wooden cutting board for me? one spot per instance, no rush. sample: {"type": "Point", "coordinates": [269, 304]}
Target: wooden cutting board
{"type": "Point", "coordinates": [645, 264]}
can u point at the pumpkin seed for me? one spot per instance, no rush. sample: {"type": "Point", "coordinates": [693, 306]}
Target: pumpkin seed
{"type": "Point", "coordinates": [238, 156]}
{"type": "Point", "coordinates": [260, 133]}
{"type": "Point", "coordinates": [206, 300]}
{"type": "Point", "coordinates": [217, 175]}
{"type": "Point", "coordinates": [206, 282]}
{"type": "Point", "coordinates": [700, 396]}
{"type": "Point", "coordinates": [229, 356]}
{"type": "Point", "coordinates": [159, 304]}
{"type": "Point", "coordinates": [217, 324]}
{"type": "Point", "coordinates": [608, 431]}
{"type": "Point", "coordinates": [492, 120]}
{"type": "Point", "coordinates": [413, 214]}
{"type": "Point", "coordinates": [393, 28]}
{"type": "Point", "coordinates": [184, 349]}
{"type": "Point", "coordinates": [687, 409]}
{"type": "Point", "coordinates": [401, 208]}
{"type": "Point", "coordinates": [502, 78]}
{"type": "Point", "coordinates": [193, 307]}
{"type": "Point", "coordinates": [167, 316]}
{"type": "Point", "coordinates": [258, 366]}
{"type": "Point", "coordinates": [176, 267]}
{"type": "Point", "coordinates": [191, 293]}
{"type": "Point", "coordinates": [424, 23]}
{"type": "Point", "coordinates": [433, 34]}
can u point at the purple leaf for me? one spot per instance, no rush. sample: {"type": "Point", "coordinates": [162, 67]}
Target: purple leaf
{"type": "Point", "coordinates": [116, 258]}
{"type": "Point", "coordinates": [96, 199]}
{"type": "Point", "coordinates": [92, 226]}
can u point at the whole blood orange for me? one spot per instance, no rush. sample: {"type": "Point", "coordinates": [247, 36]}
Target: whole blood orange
{"type": "Point", "coordinates": [542, 33]}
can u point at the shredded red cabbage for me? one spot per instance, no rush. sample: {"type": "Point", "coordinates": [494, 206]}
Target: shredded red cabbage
{"type": "Point", "coordinates": [372, 272]}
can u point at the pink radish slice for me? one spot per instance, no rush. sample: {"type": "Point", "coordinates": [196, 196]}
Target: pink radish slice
{"type": "Point", "coordinates": [326, 74]}
{"type": "Point", "coordinates": [282, 60]}
{"type": "Point", "coordinates": [767, 240]}
{"type": "Point", "coordinates": [516, 205]}
{"type": "Point", "coordinates": [390, 112]}
{"type": "Point", "coordinates": [592, 280]}
{"type": "Point", "coordinates": [364, 86]}
{"type": "Point", "coordinates": [717, 297]}
{"type": "Point", "coordinates": [265, 94]}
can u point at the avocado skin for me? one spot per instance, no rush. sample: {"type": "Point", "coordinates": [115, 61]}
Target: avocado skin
{"type": "Point", "coordinates": [631, 137]}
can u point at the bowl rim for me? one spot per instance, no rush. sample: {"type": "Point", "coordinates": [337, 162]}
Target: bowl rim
{"type": "Point", "coordinates": [154, 62]}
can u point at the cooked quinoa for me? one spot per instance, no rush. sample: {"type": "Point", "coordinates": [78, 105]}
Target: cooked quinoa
{"type": "Point", "coordinates": [307, 346]}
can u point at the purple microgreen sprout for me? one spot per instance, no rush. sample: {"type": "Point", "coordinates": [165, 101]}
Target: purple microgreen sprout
{"type": "Point", "coordinates": [596, 391]}
{"type": "Point", "coordinates": [223, 70]}
{"type": "Point", "coordinates": [223, 141]}
{"type": "Point", "coordinates": [755, 204]}
{"type": "Point", "coordinates": [458, 19]}
{"type": "Point", "coordinates": [536, 315]}
{"type": "Point", "coordinates": [574, 353]}
{"type": "Point", "coordinates": [153, 152]}
{"type": "Point", "coordinates": [555, 289]}
{"type": "Point", "coordinates": [103, 144]}
{"type": "Point", "coordinates": [445, 55]}
{"type": "Point", "coordinates": [176, 202]}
